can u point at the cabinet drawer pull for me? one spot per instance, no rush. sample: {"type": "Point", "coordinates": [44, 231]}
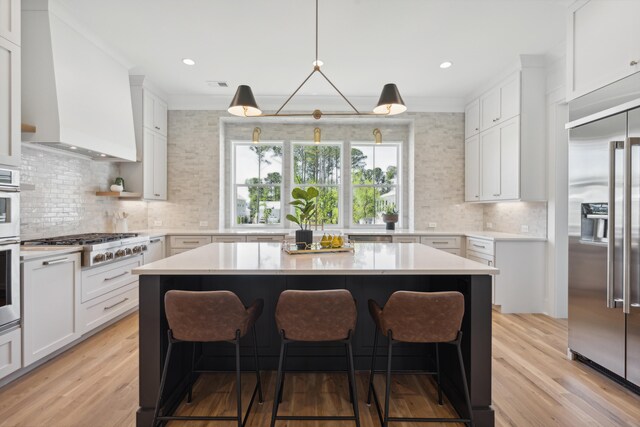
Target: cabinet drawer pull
{"type": "Point", "coordinates": [479, 246]}
{"type": "Point", "coordinates": [154, 240]}
{"type": "Point", "coordinates": [191, 242]}
{"type": "Point", "coordinates": [115, 277]}
{"type": "Point", "coordinates": [440, 243]}
{"type": "Point", "coordinates": [157, 195]}
{"type": "Point", "coordinates": [55, 261]}
{"type": "Point", "coordinates": [109, 307]}
{"type": "Point", "coordinates": [633, 63]}
{"type": "Point", "coordinates": [264, 239]}
{"type": "Point", "coordinates": [496, 195]}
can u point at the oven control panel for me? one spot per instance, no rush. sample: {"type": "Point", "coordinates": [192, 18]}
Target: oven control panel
{"type": "Point", "coordinates": [112, 254]}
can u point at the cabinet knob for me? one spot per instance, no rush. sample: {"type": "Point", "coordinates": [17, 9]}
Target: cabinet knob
{"type": "Point", "coordinates": [496, 195]}
{"type": "Point", "coordinates": [476, 129]}
{"type": "Point", "coordinates": [157, 195]}
{"type": "Point", "coordinates": [633, 63]}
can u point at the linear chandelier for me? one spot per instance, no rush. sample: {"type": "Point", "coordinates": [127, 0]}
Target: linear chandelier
{"type": "Point", "coordinates": [390, 103]}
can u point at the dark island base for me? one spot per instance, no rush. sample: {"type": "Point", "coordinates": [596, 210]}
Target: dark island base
{"type": "Point", "coordinates": [476, 328]}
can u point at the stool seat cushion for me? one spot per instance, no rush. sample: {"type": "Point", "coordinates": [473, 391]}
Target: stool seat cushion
{"type": "Point", "coordinates": [209, 316]}
{"type": "Point", "coordinates": [315, 316]}
{"type": "Point", "coordinates": [423, 317]}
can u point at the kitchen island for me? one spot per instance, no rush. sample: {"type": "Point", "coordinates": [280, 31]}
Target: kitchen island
{"type": "Point", "coordinates": [262, 270]}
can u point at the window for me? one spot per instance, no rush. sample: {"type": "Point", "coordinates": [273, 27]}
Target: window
{"type": "Point", "coordinates": [320, 166]}
{"type": "Point", "coordinates": [257, 183]}
{"type": "Point", "coordinates": [374, 180]}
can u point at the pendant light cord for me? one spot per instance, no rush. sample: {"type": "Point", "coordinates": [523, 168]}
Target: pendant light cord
{"type": "Point", "coordinates": [316, 32]}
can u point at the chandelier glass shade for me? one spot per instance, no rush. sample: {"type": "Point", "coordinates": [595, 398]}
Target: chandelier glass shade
{"type": "Point", "coordinates": [390, 103]}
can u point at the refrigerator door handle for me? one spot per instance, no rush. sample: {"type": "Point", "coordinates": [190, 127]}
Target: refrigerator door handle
{"type": "Point", "coordinates": [611, 213]}
{"type": "Point", "coordinates": [626, 243]}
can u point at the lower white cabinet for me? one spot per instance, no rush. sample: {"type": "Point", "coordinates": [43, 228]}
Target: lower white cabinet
{"type": "Point", "coordinates": [109, 306]}
{"type": "Point", "coordinates": [266, 238]}
{"type": "Point", "coordinates": [519, 288]}
{"type": "Point", "coordinates": [51, 297]}
{"type": "Point", "coordinates": [450, 244]}
{"type": "Point", "coordinates": [155, 250]}
{"type": "Point", "coordinates": [406, 239]}
{"type": "Point", "coordinates": [10, 351]}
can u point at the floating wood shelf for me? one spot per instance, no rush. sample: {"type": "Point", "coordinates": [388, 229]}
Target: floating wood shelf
{"type": "Point", "coordinates": [122, 195]}
{"type": "Point", "coordinates": [28, 128]}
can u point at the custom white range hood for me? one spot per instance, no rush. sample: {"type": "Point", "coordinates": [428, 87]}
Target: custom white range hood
{"type": "Point", "coordinates": [74, 92]}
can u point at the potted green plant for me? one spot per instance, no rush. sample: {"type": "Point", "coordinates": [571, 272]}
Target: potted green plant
{"type": "Point", "coordinates": [390, 216]}
{"type": "Point", "coordinates": [305, 207]}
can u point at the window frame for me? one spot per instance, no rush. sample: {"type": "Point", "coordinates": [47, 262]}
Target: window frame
{"type": "Point", "coordinates": [235, 185]}
{"type": "Point", "coordinates": [340, 185]}
{"type": "Point", "coordinates": [398, 185]}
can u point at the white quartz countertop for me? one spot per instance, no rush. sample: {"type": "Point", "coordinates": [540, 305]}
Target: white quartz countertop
{"type": "Point", "coordinates": [28, 253]}
{"type": "Point", "coordinates": [488, 235]}
{"type": "Point", "coordinates": [268, 259]}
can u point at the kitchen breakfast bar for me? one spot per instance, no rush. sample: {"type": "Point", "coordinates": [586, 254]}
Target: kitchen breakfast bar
{"type": "Point", "coordinates": [263, 270]}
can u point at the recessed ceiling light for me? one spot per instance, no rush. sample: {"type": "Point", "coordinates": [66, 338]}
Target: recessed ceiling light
{"type": "Point", "coordinates": [318, 63]}
{"type": "Point", "coordinates": [73, 147]}
{"type": "Point", "coordinates": [446, 64]}
{"type": "Point", "coordinates": [103, 155]}
{"type": "Point", "coordinates": [188, 61]}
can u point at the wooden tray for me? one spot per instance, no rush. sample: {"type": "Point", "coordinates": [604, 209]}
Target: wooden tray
{"type": "Point", "coordinates": [315, 248]}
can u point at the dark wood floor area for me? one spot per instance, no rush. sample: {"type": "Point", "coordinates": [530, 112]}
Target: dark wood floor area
{"type": "Point", "coordinates": [95, 384]}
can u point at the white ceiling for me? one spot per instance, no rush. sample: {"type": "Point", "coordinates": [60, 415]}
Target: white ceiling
{"type": "Point", "coordinates": [363, 43]}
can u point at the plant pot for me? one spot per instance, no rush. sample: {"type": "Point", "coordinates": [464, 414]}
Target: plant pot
{"type": "Point", "coordinates": [304, 238]}
{"type": "Point", "coordinates": [390, 220]}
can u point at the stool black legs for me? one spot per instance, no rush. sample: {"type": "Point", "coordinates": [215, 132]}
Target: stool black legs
{"type": "Point", "coordinates": [238, 418]}
{"type": "Point", "coordinates": [385, 419]}
{"type": "Point", "coordinates": [353, 394]}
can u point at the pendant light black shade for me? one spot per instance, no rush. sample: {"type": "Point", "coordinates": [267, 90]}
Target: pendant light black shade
{"type": "Point", "coordinates": [390, 101]}
{"type": "Point", "coordinates": [243, 103]}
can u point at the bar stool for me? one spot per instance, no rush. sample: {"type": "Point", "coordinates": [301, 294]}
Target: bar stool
{"type": "Point", "coordinates": [316, 316]}
{"type": "Point", "coordinates": [419, 317]}
{"type": "Point", "coordinates": [213, 316]}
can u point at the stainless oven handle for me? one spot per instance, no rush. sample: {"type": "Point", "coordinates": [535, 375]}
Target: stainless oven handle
{"type": "Point", "coordinates": [4, 189]}
{"type": "Point", "coordinates": [154, 240]}
{"type": "Point", "coordinates": [55, 261]}
{"type": "Point", "coordinates": [115, 277]}
{"type": "Point", "coordinates": [9, 242]}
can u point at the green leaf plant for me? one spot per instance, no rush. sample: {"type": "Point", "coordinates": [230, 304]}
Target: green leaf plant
{"type": "Point", "coordinates": [305, 206]}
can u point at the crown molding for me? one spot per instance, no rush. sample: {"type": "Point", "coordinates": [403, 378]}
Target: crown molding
{"type": "Point", "coordinates": [308, 102]}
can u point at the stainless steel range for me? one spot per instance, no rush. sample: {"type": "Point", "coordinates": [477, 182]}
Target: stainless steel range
{"type": "Point", "coordinates": [99, 248]}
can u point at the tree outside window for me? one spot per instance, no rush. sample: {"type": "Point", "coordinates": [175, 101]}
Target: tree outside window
{"type": "Point", "coordinates": [258, 183]}
{"type": "Point", "coordinates": [320, 166]}
{"type": "Point", "coordinates": [374, 179]}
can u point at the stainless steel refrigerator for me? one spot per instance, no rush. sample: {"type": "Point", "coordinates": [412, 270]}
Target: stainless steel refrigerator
{"type": "Point", "coordinates": [604, 240]}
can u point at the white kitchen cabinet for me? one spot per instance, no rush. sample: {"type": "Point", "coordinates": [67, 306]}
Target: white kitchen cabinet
{"type": "Point", "coordinates": [266, 237]}
{"type": "Point", "coordinates": [519, 288]}
{"type": "Point", "coordinates": [154, 166]}
{"type": "Point", "coordinates": [10, 20]}
{"type": "Point", "coordinates": [51, 297]}
{"type": "Point", "coordinates": [450, 244]}
{"type": "Point", "coordinates": [405, 239]}
{"type": "Point", "coordinates": [10, 351]}
{"type": "Point", "coordinates": [226, 238]}
{"type": "Point", "coordinates": [472, 169]}
{"type": "Point", "coordinates": [472, 119]}
{"type": "Point", "coordinates": [500, 103]}
{"type": "Point", "coordinates": [148, 175]}
{"type": "Point", "coordinates": [155, 250]}
{"type": "Point", "coordinates": [499, 161]}
{"type": "Point", "coordinates": [154, 113]}
{"type": "Point", "coordinates": [602, 44]}
{"type": "Point", "coordinates": [10, 114]}
{"type": "Point", "coordinates": [507, 159]}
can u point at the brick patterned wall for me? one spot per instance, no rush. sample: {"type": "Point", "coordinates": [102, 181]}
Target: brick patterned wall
{"type": "Point", "coordinates": [509, 217]}
{"type": "Point", "coordinates": [58, 196]}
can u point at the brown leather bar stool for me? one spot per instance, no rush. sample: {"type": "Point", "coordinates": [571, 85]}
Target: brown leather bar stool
{"type": "Point", "coordinates": [316, 316]}
{"type": "Point", "coordinates": [419, 317]}
{"type": "Point", "coordinates": [214, 316]}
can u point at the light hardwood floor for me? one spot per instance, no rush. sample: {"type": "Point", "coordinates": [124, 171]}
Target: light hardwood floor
{"type": "Point", "coordinates": [95, 384]}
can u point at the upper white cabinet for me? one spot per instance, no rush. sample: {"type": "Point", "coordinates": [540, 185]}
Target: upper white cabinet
{"type": "Point", "coordinates": [155, 113]}
{"type": "Point", "coordinates": [506, 160]}
{"type": "Point", "coordinates": [500, 161]}
{"type": "Point", "coordinates": [603, 44]}
{"type": "Point", "coordinates": [472, 119]}
{"type": "Point", "coordinates": [500, 103]}
{"type": "Point", "coordinates": [10, 20]}
{"type": "Point", "coordinates": [472, 169]}
{"type": "Point", "coordinates": [149, 174]}
{"type": "Point", "coordinates": [9, 102]}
